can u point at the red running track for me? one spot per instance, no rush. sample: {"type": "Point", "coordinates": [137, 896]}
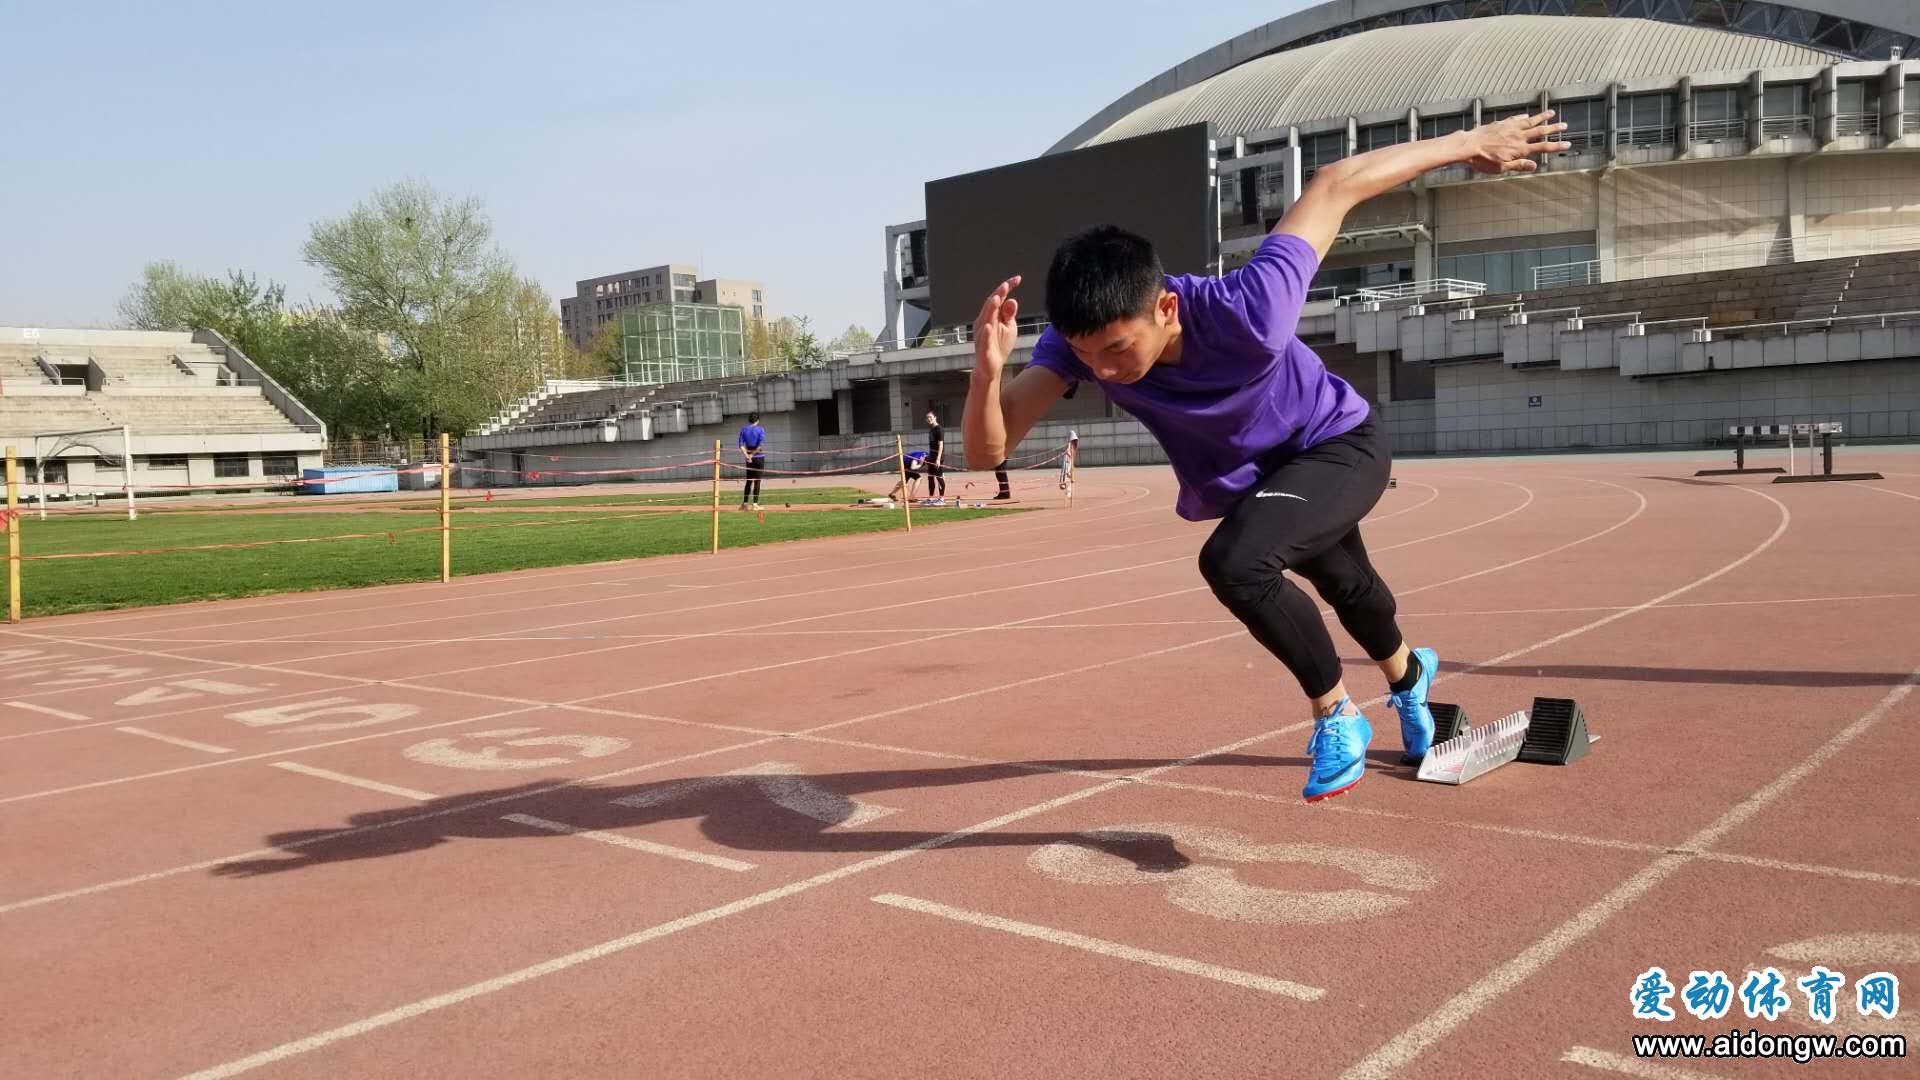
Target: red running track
{"type": "Point", "coordinates": [1009, 797]}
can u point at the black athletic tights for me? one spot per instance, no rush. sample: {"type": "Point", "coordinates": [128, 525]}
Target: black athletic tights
{"type": "Point", "coordinates": [756, 468]}
{"type": "Point", "coordinates": [1305, 517]}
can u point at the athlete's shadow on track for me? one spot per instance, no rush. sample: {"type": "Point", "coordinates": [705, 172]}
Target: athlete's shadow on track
{"type": "Point", "coordinates": [778, 812]}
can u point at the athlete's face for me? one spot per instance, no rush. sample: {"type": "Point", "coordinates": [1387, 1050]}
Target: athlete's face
{"type": "Point", "coordinates": [1123, 351]}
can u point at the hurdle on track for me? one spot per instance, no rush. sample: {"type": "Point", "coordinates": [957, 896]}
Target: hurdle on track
{"type": "Point", "coordinates": [1826, 430]}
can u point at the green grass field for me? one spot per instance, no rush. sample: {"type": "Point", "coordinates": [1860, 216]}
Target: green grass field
{"type": "Point", "coordinates": [484, 543]}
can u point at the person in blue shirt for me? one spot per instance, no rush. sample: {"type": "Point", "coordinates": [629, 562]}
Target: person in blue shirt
{"type": "Point", "coordinates": [753, 441]}
{"type": "Point", "coordinates": [912, 468]}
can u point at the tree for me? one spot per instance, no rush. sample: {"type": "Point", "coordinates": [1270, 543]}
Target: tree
{"type": "Point", "coordinates": [505, 348]}
{"type": "Point", "coordinates": [422, 270]}
{"type": "Point", "coordinates": [240, 309]}
{"type": "Point", "coordinates": [795, 343]}
{"type": "Point", "coordinates": [853, 339]}
{"type": "Point", "coordinates": [344, 374]}
{"type": "Point", "coordinates": [603, 358]}
{"type": "Point", "coordinates": [760, 341]}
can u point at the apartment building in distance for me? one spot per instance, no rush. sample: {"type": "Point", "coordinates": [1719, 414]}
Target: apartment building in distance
{"type": "Point", "coordinates": [601, 300]}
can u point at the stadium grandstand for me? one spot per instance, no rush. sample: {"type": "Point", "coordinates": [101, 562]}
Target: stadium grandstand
{"type": "Point", "coordinates": [191, 409]}
{"type": "Point", "coordinates": [1739, 212]}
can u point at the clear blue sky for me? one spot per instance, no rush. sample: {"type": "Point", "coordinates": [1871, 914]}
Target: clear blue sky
{"type": "Point", "coordinates": [601, 136]}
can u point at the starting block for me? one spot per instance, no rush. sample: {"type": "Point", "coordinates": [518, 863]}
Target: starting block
{"type": "Point", "coordinates": [1553, 732]}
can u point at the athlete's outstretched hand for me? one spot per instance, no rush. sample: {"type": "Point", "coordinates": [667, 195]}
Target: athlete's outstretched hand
{"type": "Point", "coordinates": [994, 331]}
{"type": "Point", "coordinates": [1510, 145]}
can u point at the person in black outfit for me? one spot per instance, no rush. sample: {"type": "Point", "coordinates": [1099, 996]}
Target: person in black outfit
{"type": "Point", "coordinates": [753, 442]}
{"type": "Point", "coordinates": [936, 456]}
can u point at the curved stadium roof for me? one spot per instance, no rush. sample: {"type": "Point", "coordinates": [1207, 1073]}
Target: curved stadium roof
{"type": "Point", "coordinates": [1303, 67]}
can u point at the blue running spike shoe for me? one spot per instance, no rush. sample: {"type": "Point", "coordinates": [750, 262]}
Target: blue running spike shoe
{"type": "Point", "coordinates": [1339, 752]}
{"type": "Point", "coordinates": [1416, 720]}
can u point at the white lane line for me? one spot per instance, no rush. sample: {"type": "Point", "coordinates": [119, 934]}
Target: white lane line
{"type": "Point", "coordinates": [617, 945]}
{"type": "Point", "coordinates": [271, 753]}
{"type": "Point", "coordinates": [634, 770]}
{"type": "Point", "coordinates": [207, 748]}
{"type": "Point", "coordinates": [632, 843]}
{"type": "Point", "coordinates": [139, 879]}
{"type": "Point", "coordinates": [1101, 947]}
{"type": "Point", "coordinates": [638, 938]}
{"type": "Point", "coordinates": [1292, 802]}
{"type": "Point", "coordinates": [1403, 1048]}
{"type": "Point", "coordinates": [1630, 1066]}
{"type": "Point", "coordinates": [50, 711]}
{"type": "Point", "coordinates": [1807, 868]}
{"type": "Point", "coordinates": [356, 781]}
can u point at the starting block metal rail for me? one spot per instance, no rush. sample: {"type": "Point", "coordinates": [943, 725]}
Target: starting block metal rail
{"type": "Point", "coordinates": [1553, 732]}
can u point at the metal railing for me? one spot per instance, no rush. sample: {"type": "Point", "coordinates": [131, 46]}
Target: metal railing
{"type": "Point", "coordinates": [1567, 275]}
{"type": "Point", "coordinates": [1783, 127]}
{"type": "Point", "coordinates": [1717, 130]}
{"type": "Point", "coordinates": [1660, 135]}
{"type": "Point", "coordinates": [1910, 121]}
{"type": "Point", "coordinates": [1584, 140]}
{"type": "Point", "coordinates": [1408, 289]}
{"type": "Point", "coordinates": [959, 335]}
{"type": "Point", "coordinates": [1882, 319]}
{"type": "Point", "coordinates": [1334, 293]}
{"type": "Point", "coordinates": [1893, 238]}
{"type": "Point", "coordinates": [179, 384]}
{"type": "Point", "coordinates": [1786, 249]}
{"type": "Point", "coordinates": [1856, 124]}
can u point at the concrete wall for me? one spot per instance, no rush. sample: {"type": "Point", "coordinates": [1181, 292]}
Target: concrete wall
{"type": "Point", "coordinates": [1488, 406]}
{"type": "Point", "coordinates": [1851, 196]}
{"type": "Point", "coordinates": [1537, 206]}
{"type": "Point", "coordinates": [1677, 209]}
{"type": "Point", "coordinates": [87, 476]}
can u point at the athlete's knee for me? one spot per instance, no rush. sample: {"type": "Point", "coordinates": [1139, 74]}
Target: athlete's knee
{"type": "Point", "coordinates": [1227, 565]}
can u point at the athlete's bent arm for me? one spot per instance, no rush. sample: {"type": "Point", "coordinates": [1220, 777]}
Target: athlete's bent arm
{"type": "Point", "coordinates": [1508, 146]}
{"type": "Point", "coordinates": [999, 412]}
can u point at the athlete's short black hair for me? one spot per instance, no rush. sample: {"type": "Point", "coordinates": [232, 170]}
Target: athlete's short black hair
{"type": "Point", "coordinates": [753, 418]}
{"type": "Point", "coordinates": [1099, 276]}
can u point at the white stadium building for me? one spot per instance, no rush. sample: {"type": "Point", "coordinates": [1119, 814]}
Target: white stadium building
{"type": "Point", "coordinates": [89, 413]}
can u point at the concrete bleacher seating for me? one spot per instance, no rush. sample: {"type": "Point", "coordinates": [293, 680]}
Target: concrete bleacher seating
{"type": "Point", "coordinates": [1818, 289]}
{"type": "Point", "coordinates": [39, 414]}
{"type": "Point", "coordinates": [228, 412]}
{"type": "Point", "coordinates": [20, 366]}
{"type": "Point", "coordinates": [588, 407]}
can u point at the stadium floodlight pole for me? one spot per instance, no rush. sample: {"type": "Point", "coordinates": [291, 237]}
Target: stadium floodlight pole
{"type": "Point", "coordinates": [126, 469]}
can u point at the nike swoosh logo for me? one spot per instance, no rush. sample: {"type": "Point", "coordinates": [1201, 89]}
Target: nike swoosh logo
{"type": "Point", "coordinates": [1278, 495]}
